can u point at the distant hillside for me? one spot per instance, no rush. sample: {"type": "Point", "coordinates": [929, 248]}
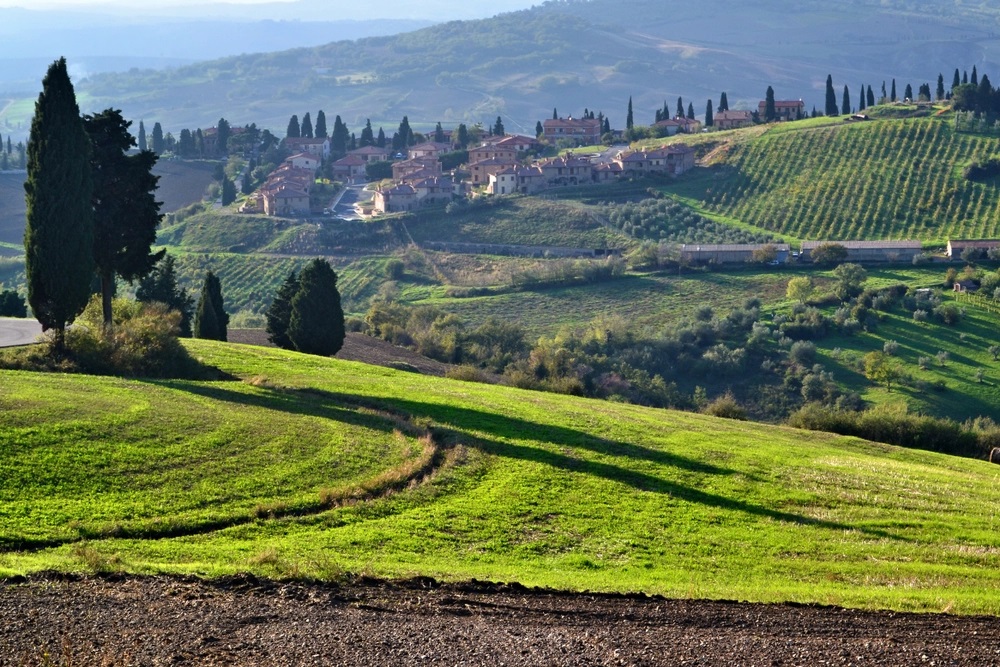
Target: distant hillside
{"type": "Point", "coordinates": [181, 183]}
{"type": "Point", "coordinates": [571, 55]}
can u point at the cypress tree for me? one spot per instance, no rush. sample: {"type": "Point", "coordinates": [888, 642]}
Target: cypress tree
{"type": "Point", "coordinates": [316, 323]}
{"type": "Point", "coordinates": [142, 137]}
{"type": "Point", "coordinates": [293, 131]}
{"type": "Point", "coordinates": [629, 124]}
{"type": "Point", "coordinates": [845, 106]}
{"type": "Point", "coordinates": [974, 80]}
{"type": "Point", "coordinates": [320, 130]}
{"type": "Point", "coordinates": [723, 102]}
{"type": "Point", "coordinates": [306, 128]}
{"type": "Point", "coordinates": [539, 130]}
{"type": "Point", "coordinates": [607, 126]}
{"type": "Point", "coordinates": [380, 140]}
{"type": "Point", "coordinates": [280, 312]}
{"type": "Point", "coordinates": [908, 92]}
{"type": "Point", "coordinates": [367, 135]}
{"type": "Point", "coordinates": [892, 94]}
{"type": "Point", "coordinates": [769, 111]}
{"type": "Point", "coordinates": [871, 97]}
{"type": "Point", "coordinates": [59, 228]}
{"type": "Point", "coordinates": [555, 116]}
{"type": "Point", "coordinates": [680, 107]}
{"type": "Point", "coordinates": [690, 113]}
{"type": "Point", "coordinates": [211, 320]}
{"type": "Point", "coordinates": [228, 191]}
{"type": "Point", "coordinates": [498, 129]}
{"type": "Point", "coordinates": [831, 97]}
{"type": "Point", "coordinates": [126, 213]}
{"type": "Point", "coordinates": [709, 121]}
{"type": "Point", "coordinates": [956, 80]}
{"type": "Point", "coordinates": [965, 76]}
{"type": "Point", "coordinates": [158, 143]}
{"type": "Point", "coordinates": [939, 92]}
{"type": "Point", "coordinates": [438, 133]}
{"type": "Point", "coordinates": [861, 99]}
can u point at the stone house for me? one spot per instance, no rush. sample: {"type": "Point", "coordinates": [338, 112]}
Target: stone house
{"type": "Point", "coordinates": [580, 130]}
{"type": "Point", "coordinates": [784, 109]}
{"type": "Point", "coordinates": [870, 251]}
{"type": "Point", "coordinates": [313, 145]}
{"type": "Point", "coordinates": [734, 118]}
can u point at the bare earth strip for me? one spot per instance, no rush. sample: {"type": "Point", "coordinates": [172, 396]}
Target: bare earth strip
{"type": "Point", "coordinates": [246, 621]}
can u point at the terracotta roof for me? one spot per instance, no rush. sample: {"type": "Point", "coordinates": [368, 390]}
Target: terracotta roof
{"type": "Point", "coordinates": [350, 161]}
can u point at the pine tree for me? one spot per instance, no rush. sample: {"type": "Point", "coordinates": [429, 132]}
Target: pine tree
{"type": "Point", "coordinates": [126, 213]}
{"type": "Point", "coordinates": [142, 137]}
{"type": "Point", "coordinates": [161, 285]}
{"type": "Point", "coordinates": [158, 144]}
{"type": "Point", "coordinates": [629, 121]}
{"type": "Point", "coordinates": [279, 313]}
{"type": "Point", "coordinates": [831, 97]}
{"type": "Point", "coordinates": [709, 121]}
{"type": "Point", "coordinates": [59, 228]}
{"type": "Point", "coordinates": [845, 106]}
{"type": "Point", "coordinates": [211, 320]}
{"type": "Point", "coordinates": [723, 102]}
{"type": "Point", "coordinates": [320, 130]}
{"type": "Point", "coordinates": [769, 111]}
{"type": "Point", "coordinates": [293, 131]}
{"type": "Point", "coordinates": [306, 128]}
{"type": "Point", "coordinates": [939, 93]}
{"type": "Point", "coordinates": [316, 323]}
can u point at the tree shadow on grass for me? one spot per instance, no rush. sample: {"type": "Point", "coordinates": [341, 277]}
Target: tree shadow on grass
{"type": "Point", "coordinates": [456, 425]}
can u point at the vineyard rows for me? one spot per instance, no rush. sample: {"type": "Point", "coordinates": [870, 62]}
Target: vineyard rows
{"type": "Point", "coordinates": [891, 179]}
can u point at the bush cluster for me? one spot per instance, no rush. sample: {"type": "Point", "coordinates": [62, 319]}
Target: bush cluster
{"type": "Point", "coordinates": [663, 219]}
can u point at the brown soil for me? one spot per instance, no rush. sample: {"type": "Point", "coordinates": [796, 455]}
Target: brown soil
{"type": "Point", "coordinates": [245, 621]}
{"type": "Point", "coordinates": [359, 347]}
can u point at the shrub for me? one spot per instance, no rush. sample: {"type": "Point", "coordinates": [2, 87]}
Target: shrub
{"type": "Point", "coordinates": [890, 347]}
{"type": "Point", "coordinates": [467, 373]}
{"type": "Point", "coordinates": [802, 352]}
{"type": "Point", "coordinates": [726, 406]}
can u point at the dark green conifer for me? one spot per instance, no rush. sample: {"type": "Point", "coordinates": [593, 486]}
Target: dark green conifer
{"type": "Point", "coordinates": [316, 324]}
{"type": "Point", "coordinates": [280, 312]}
{"type": "Point", "coordinates": [59, 229]}
{"type": "Point", "coordinates": [211, 320]}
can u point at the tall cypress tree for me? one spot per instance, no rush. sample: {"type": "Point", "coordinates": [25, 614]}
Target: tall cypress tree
{"type": "Point", "coordinates": [939, 92]}
{"type": "Point", "coordinates": [861, 99]}
{"type": "Point", "coordinates": [367, 134]}
{"type": "Point", "coordinates": [680, 107]}
{"type": "Point", "coordinates": [770, 114]}
{"type": "Point", "coordinates": [974, 79]}
{"type": "Point", "coordinates": [892, 94]}
{"type": "Point", "coordinates": [320, 130]}
{"type": "Point", "coordinates": [211, 320]}
{"type": "Point", "coordinates": [629, 119]}
{"type": "Point", "coordinates": [871, 97]}
{"type": "Point", "coordinates": [293, 131]}
{"type": "Point", "coordinates": [142, 137]}
{"type": "Point", "coordinates": [59, 229]}
{"type": "Point", "coordinates": [316, 323]}
{"type": "Point", "coordinates": [956, 80]}
{"type": "Point", "coordinates": [831, 97]}
{"type": "Point", "coordinates": [724, 102]}
{"type": "Point", "coordinates": [126, 213]}
{"type": "Point", "coordinates": [845, 105]}
{"type": "Point", "coordinates": [690, 113]}
{"type": "Point", "coordinates": [306, 128]}
{"type": "Point", "coordinates": [709, 121]}
{"type": "Point", "coordinates": [158, 144]}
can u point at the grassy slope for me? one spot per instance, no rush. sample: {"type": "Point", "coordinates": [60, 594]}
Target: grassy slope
{"type": "Point", "coordinates": [539, 488]}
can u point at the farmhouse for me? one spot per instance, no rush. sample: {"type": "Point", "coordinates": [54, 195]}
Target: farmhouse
{"type": "Point", "coordinates": [428, 149]}
{"type": "Point", "coordinates": [371, 153]}
{"type": "Point", "coordinates": [729, 253]}
{"type": "Point", "coordinates": [679, 124]}
{"type": "Point", "coordinates": [728, 120]}
{"type": "Point", "coordinates": [503, 182]}
{"type": "Point", "coordinates": [871, 251]}
{"type": "Point", "coordinates": [314, 145]}
{"type": "Point", "coordinates": [426, 164]}
{"type": "Point", "coordinates": [567, 171]}
{"type": "Point", "coordinates": [784, 109]}
{"type": "Point", "coordinates": [286, 199]}
{"type": "Point", "coordinates": [958, 246]}
{"type": "Point", "coordinates": [350, 169]}
{"type": "Point", "coordinates": [580, 130]}
{"type": "Point", "coordinates": [483, 169]}
{"type": "Point", "coordinates": [674, 159]}
{"type": "Point", "coordinates": [304, 161]}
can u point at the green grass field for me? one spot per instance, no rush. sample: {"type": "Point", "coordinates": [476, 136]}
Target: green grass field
{"type": "Point", "coordinates": [538, 488]}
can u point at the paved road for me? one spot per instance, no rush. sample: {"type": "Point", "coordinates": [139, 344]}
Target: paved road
{"type": "Point", "coordinates": [344, 208]}
{"type": "Point", "coordinates": [15, 331]}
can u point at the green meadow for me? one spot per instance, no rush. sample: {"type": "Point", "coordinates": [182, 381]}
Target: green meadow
{"type": "Point", "coordinates": [315, 468]}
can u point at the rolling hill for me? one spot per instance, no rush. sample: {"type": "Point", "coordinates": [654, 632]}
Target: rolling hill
{"type": "Point", "coordinates": [337, 467]}
{"type": "Point", "coordinates": [570, 55]}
